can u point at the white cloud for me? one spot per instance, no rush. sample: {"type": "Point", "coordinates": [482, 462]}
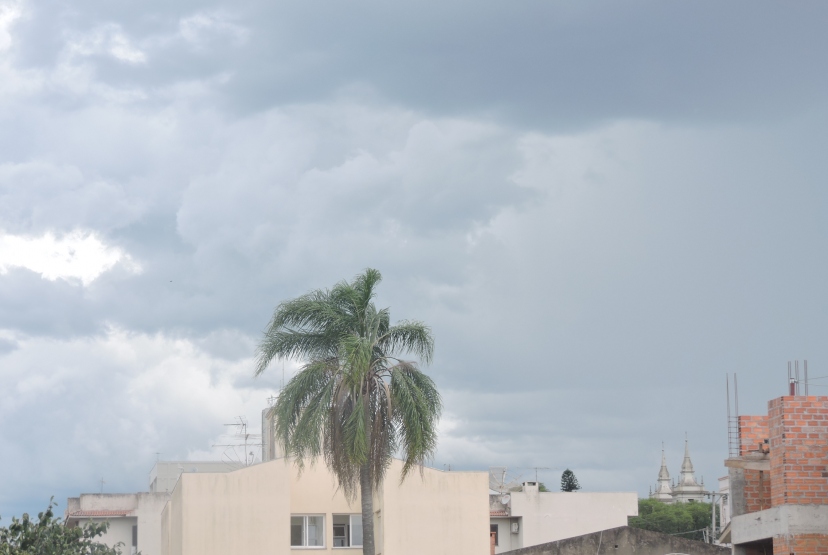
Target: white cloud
{"type": "Point", "coordinates": [78, 255]}
{"type": "Point", "coordinates": [108, 403]}
{"type": "Point", "coordinates": [108, 39]}
{"type": "Point", "coordinates": [9, 13]}
{"type": "Point", "coordinates": [198, 28]}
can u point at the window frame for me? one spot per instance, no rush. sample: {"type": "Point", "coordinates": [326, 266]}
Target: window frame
{"type": "Point", "coordinates": [350, 530]}
{"type": "Point", "coordinates": [304, 517]}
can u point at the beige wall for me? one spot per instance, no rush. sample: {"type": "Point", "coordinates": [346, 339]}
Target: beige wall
{"type": "Point", "coordinates": [314, 492]}
{"type": "Point", "coordinates": [236, 512]}
{"type": "Point", "coordinates": [436, 513]}
{"type": "Point", "coordinates": [248, 511]}
{"type": "Point", "coordinates": [551, 516]}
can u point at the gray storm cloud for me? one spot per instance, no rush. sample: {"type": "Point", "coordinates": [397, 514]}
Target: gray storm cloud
{"type": "Point", "coordinates": [599, 208]}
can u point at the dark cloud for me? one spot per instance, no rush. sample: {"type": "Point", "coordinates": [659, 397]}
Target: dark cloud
{"type": "Point", "coordinates": [600, 209]}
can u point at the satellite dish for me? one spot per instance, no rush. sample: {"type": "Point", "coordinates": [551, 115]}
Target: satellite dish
{"type": "Point", "coordinates": [505, 499]}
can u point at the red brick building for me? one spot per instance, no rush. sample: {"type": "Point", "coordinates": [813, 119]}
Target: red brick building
{"type": "Point", "coordinates": [779, 481]}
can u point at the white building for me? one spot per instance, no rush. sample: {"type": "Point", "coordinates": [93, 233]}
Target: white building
{"type": "Point", "coordinates": [135, 518]}
{"type": "Point", "coordinates": [530, 517]}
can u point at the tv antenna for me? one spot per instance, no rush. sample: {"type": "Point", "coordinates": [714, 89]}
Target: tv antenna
{"type": "Point", "coordinates": [500, 480]}
{"type": "Point", "coordinates": [536, 468]}
{"type": "Point", "coordinates": [243, 439]}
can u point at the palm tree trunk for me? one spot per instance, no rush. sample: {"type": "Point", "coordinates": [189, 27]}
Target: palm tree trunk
{"type": "Point", "coordinates": [366, 487]}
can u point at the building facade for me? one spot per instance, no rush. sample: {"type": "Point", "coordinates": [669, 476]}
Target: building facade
{"type": "Point", "coordinates": [529, 517]}
{"type": "Point", "coordinates": [272, 508]}
{"type": "Point", "coordinates": [778, 484]}
{"type": "Point", "coordinates": [135, 518]}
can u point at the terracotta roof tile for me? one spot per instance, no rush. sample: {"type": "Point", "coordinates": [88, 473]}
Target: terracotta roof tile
{"type": "Point", "coordinates": [100, 513]}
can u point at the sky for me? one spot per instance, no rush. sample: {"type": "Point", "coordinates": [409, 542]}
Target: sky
{"type": "Point", "coordinates": [601, 209]}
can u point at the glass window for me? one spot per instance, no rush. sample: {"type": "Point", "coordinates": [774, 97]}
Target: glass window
{"type": "Point", "coordinates": [307, 531]}
{"type": "Point", "coordinates": [347, 530]}
{"type": "Point", "coordinates": [356, 530]}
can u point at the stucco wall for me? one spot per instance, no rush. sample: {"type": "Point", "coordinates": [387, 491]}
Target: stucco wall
{"type": "Point", "coordinates": [552, 516]}
{"type": "Point", "coordinates": [623, 540]}
{"type": "Point", "coordinates": [148, 512]}
{"type": "Point", "coordinates": [506, 540]}
{"type": "Point", "coordinates": [120, 530]}
{"type": "Point", "coordinates": [315, 492]}
{"type": "Point", "coordinates": [144, 511]}
{"type": "Point", "coordinates": [436, 513]}
{"type": "Point", "coordinates": [246, 511]}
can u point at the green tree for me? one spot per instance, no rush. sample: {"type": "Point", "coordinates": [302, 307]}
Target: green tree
{"type": "Point", "coordinates": [542, 487]}
{"type": "Point", "coordinates": [354, 402]}
{"type": "Point", "coordinates": [569, 482]}
{"type": "Point", "coordinates": [688, 520]}
{"type": "Point", "coordinates": [47, 535]}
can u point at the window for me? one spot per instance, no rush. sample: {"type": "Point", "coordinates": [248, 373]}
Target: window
{"type": "Point", "coordinates": [134, 549]}
{"type": "Point", "coordinates": [347, 530]}
{"type": "Point", "coordinates": [307, 531]}
{"type": "Point", "coordinates": [493, 530]}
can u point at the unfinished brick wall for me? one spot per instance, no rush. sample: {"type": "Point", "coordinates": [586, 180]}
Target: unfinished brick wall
{"type": "Point", "coordinates": [798, 429]}
{"type": "Point", "coordinates": [801, 544]}
{"type": "Point", "coordinates": [753, 431]}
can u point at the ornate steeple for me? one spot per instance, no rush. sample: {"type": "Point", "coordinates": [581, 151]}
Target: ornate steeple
{"type": "Point", "coordinates": [663, 491]}
{"type": "Point", "coordinates": [687, 488]}
{"type": "Point", "coordinates": [688, 477]}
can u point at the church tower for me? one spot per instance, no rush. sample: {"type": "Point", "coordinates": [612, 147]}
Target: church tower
{"type": "Point", "coordinates": [688, 489]}
{"type": "Point", "coordinates": [663, 491]}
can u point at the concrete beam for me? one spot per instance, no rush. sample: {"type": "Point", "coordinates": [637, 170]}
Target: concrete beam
{"type": "Point", "coordinates": [784, 520]}
{"type": "Point", "coordinates": [751, 463]}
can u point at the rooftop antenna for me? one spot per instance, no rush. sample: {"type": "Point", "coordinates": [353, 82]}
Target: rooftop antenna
{"type": "Point", "coordinates": [157, 455]}
{"type": "Point", "coordinates": [244, 438]}
{"type": "Point", "coordinates": [794, 378]}
{"type": "Point", "coordinates": [734, 448]}
{"type": "Point", "coordinates": [796, 366]}
{"type": "Point", "coordinates": [102, 484]}
{"type": "Point", "coordinates": [536, 468]}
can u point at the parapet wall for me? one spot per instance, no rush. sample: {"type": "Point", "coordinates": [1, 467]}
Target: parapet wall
{"type": "Point", "coordinates": [622, 541]}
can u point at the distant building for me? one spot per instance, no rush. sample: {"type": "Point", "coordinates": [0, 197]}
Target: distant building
{"type": "Point", "coordinates": [529, 517]}
{"type": "Point", "coordinates": [135, 518]}
{"type": "Point", "coordinates": [686, 490]}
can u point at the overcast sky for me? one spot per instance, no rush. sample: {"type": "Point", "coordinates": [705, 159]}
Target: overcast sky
{"type": "Point", "coordinates": [601, 208]}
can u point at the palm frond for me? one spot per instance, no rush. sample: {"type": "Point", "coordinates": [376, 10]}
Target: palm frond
{"type": "Point", "coordinates": [409, 337]}
{"type": "Point", "coordinates": [299, 404]}
{"type": "Point", "coordinates": [417, 406]}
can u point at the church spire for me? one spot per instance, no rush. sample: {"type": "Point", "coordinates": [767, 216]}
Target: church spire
{"type": "Point", "coordinates": [688, 477]}
{"type": "Point", "coordinates": [663, 473]}
{"type": "Point", "coordinates": [663, 491]}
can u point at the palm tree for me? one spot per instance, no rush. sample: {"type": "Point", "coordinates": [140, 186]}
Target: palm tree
{"type": "Point", "coordinates": [354, 402]}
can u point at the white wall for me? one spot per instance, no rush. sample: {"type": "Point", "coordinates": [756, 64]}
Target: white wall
{"type": "Point", "coordinates": [550, 516]}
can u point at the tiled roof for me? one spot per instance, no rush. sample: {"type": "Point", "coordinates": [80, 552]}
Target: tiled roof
{"type": "Point", "coordinates": [498, 513]}
{"type": "Point", "coordinates": [87, 514]}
